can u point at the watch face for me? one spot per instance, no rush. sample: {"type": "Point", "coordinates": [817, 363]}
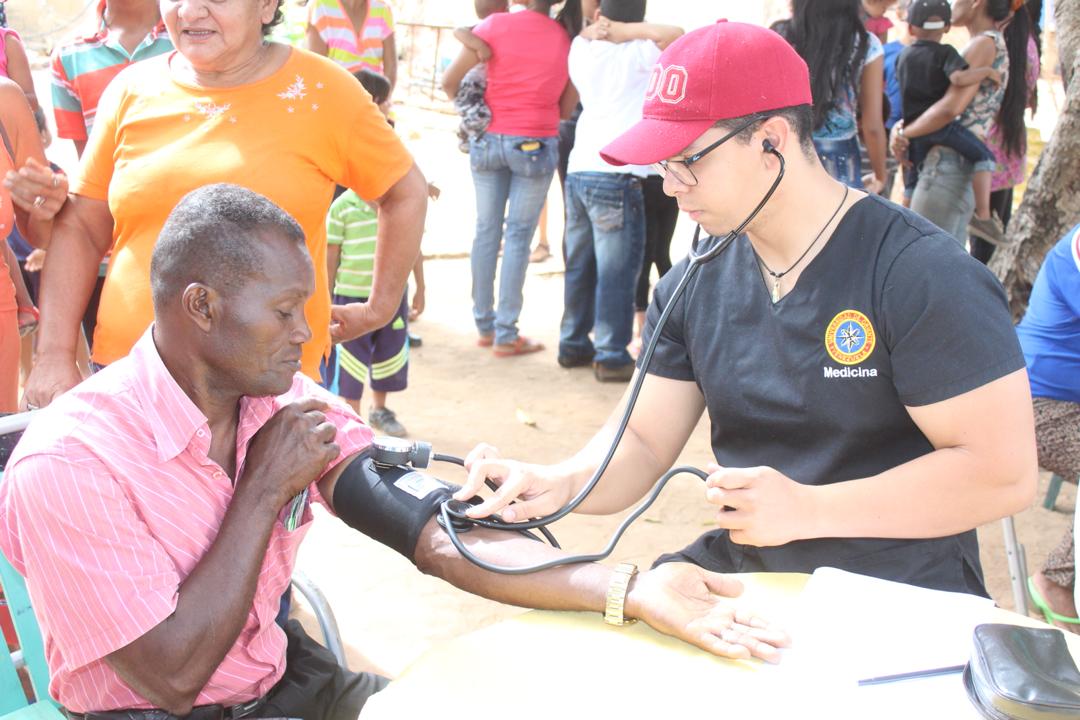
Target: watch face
{"type": "Point", "coordinates": [393, 444]}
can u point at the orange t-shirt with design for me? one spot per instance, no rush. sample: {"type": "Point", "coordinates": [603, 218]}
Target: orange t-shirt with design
{"type": "Point", "coordinates": [290, 137]}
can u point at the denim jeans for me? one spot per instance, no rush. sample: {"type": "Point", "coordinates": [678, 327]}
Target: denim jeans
{"type": "Point", "coordinates": [505, 173]}
{"type": "Point", "coordinates": [605, 241]}
{"type": "Point", "coordinates": [955, 137]}
{"type": "Point", "coordinates": [943, 194]}
{"type": "Point", "coordinates": [841, 160]}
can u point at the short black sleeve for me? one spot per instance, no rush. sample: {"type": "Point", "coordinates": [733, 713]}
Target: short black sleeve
{"type": "Point", "coordinates": [671, 358]}
{"type": "Point", "coordinates": [951, 60]}
{"type": "Point", "coordinates": [947, 325]}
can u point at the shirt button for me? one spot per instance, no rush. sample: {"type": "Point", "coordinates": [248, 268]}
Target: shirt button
{"type": "Point", "coordinates": [199, 433]}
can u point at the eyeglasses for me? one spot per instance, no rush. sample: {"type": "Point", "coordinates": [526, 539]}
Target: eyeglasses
{"type": "Point", "coordinates": [680, 169]}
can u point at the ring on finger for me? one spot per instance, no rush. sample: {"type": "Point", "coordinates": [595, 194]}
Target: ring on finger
{"type": "Point", "coordinates": [39, 201]}
{"type": "Point", "coordinates": [55, 180]}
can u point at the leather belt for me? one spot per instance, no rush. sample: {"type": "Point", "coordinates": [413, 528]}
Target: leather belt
{"type": "Point", "coordinates": [202, 712]}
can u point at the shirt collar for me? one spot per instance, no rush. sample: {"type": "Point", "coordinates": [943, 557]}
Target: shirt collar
{"type": "Point", "coordinates": [173, 417]}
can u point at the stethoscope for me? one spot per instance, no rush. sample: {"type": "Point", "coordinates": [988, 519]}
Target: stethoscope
{"type": "Point", "coordinates": [452, 513]}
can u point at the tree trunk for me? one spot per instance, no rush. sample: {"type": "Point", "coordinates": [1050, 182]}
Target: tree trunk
{"type": "Point", "coordinates": [1051, 204]}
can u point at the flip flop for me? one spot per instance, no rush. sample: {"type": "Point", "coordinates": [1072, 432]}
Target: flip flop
{"type": "Point", "coordinates": [1040, 602]}
{"type": "Point", "coordinates": [521, 346]}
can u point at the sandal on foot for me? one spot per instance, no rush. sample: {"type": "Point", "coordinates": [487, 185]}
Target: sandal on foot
{"type": "Point", "coordinates": [521, 346]}
{"type": "Point", "coordinates": [485, 340]}
{"type": "Point", "coordinates": [1044, 607]}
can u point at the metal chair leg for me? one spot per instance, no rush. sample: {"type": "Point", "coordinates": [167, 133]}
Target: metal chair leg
{"type": "Point", "coordinates": [323, 613]}
{"type": "Point", "coordinates": [1014, 553]}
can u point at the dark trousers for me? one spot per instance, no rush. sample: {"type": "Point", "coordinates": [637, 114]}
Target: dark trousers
{"type": "Point", "coordinates": [1001, 204]}
{"type": "Point", "coordinates": [661, 214]}
{"type": "Point", "coordinates": [314, 687]}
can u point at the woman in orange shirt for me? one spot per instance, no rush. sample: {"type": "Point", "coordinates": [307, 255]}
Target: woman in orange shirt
{"type": "Point", "coordinates": [30, 197]}
{"type": "Point", "coordinates": [226, 106]}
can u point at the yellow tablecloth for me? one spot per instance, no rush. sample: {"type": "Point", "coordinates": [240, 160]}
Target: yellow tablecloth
{"type": "Point", "coordinates": [572, 665]}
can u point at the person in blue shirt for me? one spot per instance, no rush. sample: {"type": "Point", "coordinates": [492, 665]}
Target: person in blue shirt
{"type": "Point", "coordinates": [1050, 337]}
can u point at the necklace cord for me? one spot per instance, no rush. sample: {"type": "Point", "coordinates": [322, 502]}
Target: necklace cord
{"type": "Point", "coordinates": [777, 276]}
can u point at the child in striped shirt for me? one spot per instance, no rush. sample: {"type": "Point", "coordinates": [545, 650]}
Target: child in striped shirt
{"type": "Point", "coordinates": [379, 359]}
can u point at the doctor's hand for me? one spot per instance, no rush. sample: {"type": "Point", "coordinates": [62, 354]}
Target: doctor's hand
{"type": "Point", "coordinates": [693, 604]}
{"type": "Point", "coordinates": [536, 488]}
{"type": "Point", "coordinates": [760, 506]}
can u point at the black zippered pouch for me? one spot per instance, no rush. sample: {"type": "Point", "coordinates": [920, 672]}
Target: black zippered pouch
{"type": "Point", "coordinates": [1022, 673]}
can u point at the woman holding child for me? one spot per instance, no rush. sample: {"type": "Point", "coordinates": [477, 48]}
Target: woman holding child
{"type": "Point", "coordinates": [226, 106]}
{"type": "Point", "coordinates": [528, 90]}
{"type": "Point", "coordinates": [944, 193]}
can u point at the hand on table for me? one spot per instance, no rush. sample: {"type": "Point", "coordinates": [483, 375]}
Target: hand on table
{"type": "Point", "coordinates": [760, 506]}
{"type": "Point", "coordinates": [692, 604]}
{"type": "Point", "coordinates": [37, 189]}
{"type": "Point", "coordinates": [540, 493]}
{"type": "Point", "coordinates": [290, 452]}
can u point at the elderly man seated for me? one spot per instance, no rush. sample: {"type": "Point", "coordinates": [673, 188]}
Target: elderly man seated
{"type": "Point", "coordinates": [150, 508]}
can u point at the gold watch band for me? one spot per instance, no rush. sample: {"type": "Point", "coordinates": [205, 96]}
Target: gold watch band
{"type": "Point", "coordinates": [616, 594]}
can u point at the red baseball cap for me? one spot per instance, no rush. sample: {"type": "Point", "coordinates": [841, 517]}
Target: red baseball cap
{"type": "Point", "coordinates": [723, 71]}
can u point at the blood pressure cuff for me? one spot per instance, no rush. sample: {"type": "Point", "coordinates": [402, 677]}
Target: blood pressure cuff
{"type": "Point", "coordinates": [388, 504]}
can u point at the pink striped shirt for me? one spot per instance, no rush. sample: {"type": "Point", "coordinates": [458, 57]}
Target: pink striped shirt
{"type": "Point", "coordinates": [110, 501]}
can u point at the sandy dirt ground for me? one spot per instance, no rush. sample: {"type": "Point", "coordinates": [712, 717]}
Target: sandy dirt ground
{"type": "Point", "coordinates": [460, 394]}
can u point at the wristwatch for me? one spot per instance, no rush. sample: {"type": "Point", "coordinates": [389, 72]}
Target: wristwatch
{"type": "Point", "coordinates": [616, 594]}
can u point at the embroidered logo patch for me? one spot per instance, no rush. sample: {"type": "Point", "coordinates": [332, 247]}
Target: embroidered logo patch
{"type": "Point", "coordinates": [850, 338]}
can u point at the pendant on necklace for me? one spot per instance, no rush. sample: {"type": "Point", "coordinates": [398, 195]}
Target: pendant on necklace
{"type": "Point", "coordinates": [776, 290]}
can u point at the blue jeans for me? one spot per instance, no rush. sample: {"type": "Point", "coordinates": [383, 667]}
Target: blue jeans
{"type": "Point", "coordinates": [605, 242]}
{"type": "Point", "coordinates": [505, 172]}
{"type": "Point", "coordinates": [841, 160]}
{"type": "Point", "coordinates": [943, 194]}
{"type": "Point", "coordinates": [956, 137]}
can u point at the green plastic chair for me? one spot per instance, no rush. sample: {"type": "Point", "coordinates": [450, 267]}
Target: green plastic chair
{"type": "Point", "coordinates": [14, 704]}
{"type": "Point", "coordinates": [1052, 491]}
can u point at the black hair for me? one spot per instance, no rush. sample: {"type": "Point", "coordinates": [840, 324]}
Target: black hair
{"type": "Point", "coordinates": [831, 38]}
{"type": "Point", "coordinates": [213, 236]}
{"type": "Point", "coordinates": [378, 86]}
{"type": "Point", "coordinates": [279, 17]}
{"type": "Point", "coordinates": [39, 119]}
{"type": "Point", "coordinates": [570, 17]}
{"type": "Point", "coordinates": [799, 117]}
{"type": "Point", "coordinates": [1010, 118]}
{"type": "Point", "coordinates": [623, 10]}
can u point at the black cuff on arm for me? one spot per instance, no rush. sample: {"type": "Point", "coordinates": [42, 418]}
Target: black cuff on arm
{"type": "Point", "coordinates": [390, 504]}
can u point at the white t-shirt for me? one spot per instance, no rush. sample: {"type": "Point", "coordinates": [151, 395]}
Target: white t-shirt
{"type": "Point", "coordinates": [611, 80]}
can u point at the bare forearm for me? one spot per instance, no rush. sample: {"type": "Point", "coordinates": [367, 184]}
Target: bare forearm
{"type": "Point", "coordinates": [68, 279]}
{"type": "Point", "coordinates": [173, 662]}
{"type": "Point", "coordinates": [942, 493]}
{"type": "Point", "coordinates": [573, 587]}
{"type": "Point", "coordinates": [971, 76]}
{"type": "Point", "coordinates": [401, 227]}
{"type": "Point", "coordinates": [875, 140]}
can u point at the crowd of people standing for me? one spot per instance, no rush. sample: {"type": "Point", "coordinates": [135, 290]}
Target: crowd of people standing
{"type": "Point", "coordinates": [286, 216]}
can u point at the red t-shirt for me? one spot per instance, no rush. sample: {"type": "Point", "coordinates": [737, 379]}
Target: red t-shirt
{"type": "Point", "coordinates": [526, 74]}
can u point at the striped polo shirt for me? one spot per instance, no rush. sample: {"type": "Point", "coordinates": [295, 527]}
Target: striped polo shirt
{"type": "Point", "coordinates": [345, 46]}
{"type": "Point", "coordinates": [82, 69]}
{"type": "Point", "coordinates": [110, 501]}
{"type": "Point", "coordinates": [353, 224]}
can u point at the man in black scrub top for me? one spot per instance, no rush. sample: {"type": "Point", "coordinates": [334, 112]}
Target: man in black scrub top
{"type": "Point", "coordinates": [866, 391]}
